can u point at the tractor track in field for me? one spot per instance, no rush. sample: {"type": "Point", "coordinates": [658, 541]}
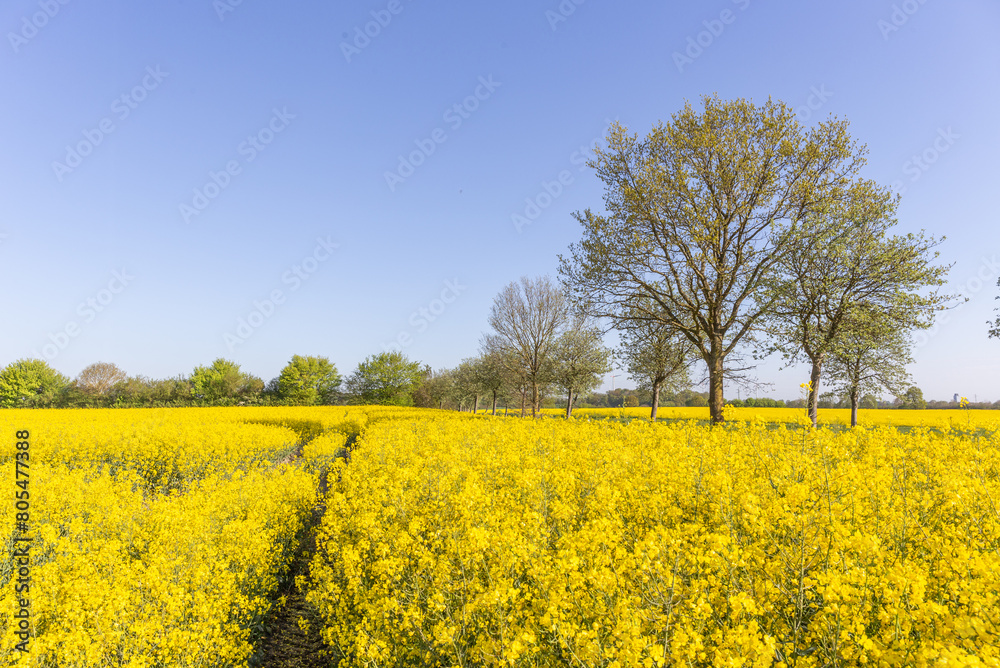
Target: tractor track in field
{"type": "Point", "coordinates": [284, 643]}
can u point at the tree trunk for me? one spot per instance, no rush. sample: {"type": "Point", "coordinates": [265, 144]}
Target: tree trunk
{"type": "Point", "coordinates": [535, 399]}
{"type": "Point", "coordinates": [524, 397]}
{"type": "Point", "coordinates": [475, 406]}
{"type": "Point", "coordinates": [715, 374]}
{"type": "Point", "coordinates": [494, 402]}
{"type": "Point", "coordinates": [656, 401]}
{"type": "Point", "coordinates": [855, 395]}
{"type": "Point", "coordinates": [817, 367]}
{"type": "Point", "coordinates": [569, 403]}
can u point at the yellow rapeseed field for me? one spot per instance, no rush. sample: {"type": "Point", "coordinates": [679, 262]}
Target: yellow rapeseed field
{"type": "Point", "coordinates": [503, 542]}
{"type": "Point", "coordinates": [827, 416]}
{"type": "Point", "coordinates": [160, 537]}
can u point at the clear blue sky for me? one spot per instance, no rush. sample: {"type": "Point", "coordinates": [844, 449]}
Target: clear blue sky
{"type": "Point", "coordinates": [299, 119]}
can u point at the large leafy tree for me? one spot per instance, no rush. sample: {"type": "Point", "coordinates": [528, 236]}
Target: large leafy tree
{"type": "Point", "coordinates": [913, 399]}
{"type": "Point", "coordinates": [221, 381]}
{"type": "Point", "coordinates": [699, 213]}
{"type": "Point", "coordinates": [308, 380]}
{"type": "Point", "coordinates": [847, 262]}
{"type": "Point", "coordinates": [580, 359]}
{"type": "Point", "coordinates": [30, 382]}
{"type": "Point", "coordinates": [508, 378]}
{"type": "Point", "coordinates": [388, 378]}
{"type": "Point", "coordinates": [496, 377]}
{"type": "Point", "coordinates": [527, 318]}
{"type": "Point", "coordinates": [485, 376]}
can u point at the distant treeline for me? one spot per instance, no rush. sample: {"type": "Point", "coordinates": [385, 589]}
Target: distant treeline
{"type": "Point", "coordinates": [388, 378]}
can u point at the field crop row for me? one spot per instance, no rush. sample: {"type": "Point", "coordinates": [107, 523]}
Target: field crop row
{"type": "Point", "coordinates": [161, 537]}
{"type": "Point", "coordinates": [158, 537]}
{"type": "Point", "coordinates": [595, 543]}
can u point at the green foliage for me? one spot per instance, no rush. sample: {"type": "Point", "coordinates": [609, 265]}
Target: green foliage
{"type": "Point", "coordinates": [467, 382]}
{"type": "Point", "coordinates": [847, 265]}
{"type": "Point", "coordinates": [30, 382]}
{"type": "Point", "coordinates": [870, 355]}
{"type": "Point", "coordinates": [496, 376]}
{"type": "Point", "coordinates": [308, 380]}
{"type": "Point", "coordinates": [869, 401]}
{"type": "Point", "coordinates": [436, 389]}
{"type": "Point", "coordinates": [388, 379]}
{"type": "Point", "coordinates": [616, 398]}
{"type": "Point", "coordinates": [580, 359]}
{"type": "Point", "coordinates": [758, 402]}
{"type": "Point", "coordinates": [656, 356]}
{"type": "Point", "coordinates": [699, 213]}
{"type": "Point", "coordinates": [485, 377]}
{"type": "Point", "coordinates": [139, 391]}
{"type": "Point", "coordinates": [913, 398]}
{"type": "Point", "coordinates": [222, 382]}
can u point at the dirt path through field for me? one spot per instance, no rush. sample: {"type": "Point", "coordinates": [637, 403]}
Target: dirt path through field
{"type": "Point", "coordinates": [285, 644]}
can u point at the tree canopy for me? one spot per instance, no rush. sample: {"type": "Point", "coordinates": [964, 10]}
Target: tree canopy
{"type": "Point", "coordinates": [657, 357]}
{"type": "Point", "coordinates": [580, 359]}
{"type": "Point", "coordinates": [869, 356]}
{"type": "Point", "coordinates": [846, 264]}
{"type": "Point", "coordinates": [388, 378]}
{"type": "Point", "coordinates": [308, 380]}
{"type": "Point", "coordinates": [222, 382]}
{"type": "Point", "coordinates": [699, 213]}
{"type": "Point", "coordinates": [29, 382]}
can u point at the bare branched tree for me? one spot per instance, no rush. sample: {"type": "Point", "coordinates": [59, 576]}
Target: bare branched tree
{"type": "Point", "coordinates": [99, 378]}
{"type": "Point", "coordinates": [527, 318]}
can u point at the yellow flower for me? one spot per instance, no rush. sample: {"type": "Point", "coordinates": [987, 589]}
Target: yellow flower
{"type": "Point", "coordinates": [162, 536]}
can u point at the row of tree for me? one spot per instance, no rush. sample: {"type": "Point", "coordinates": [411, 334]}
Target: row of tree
{"type": "Point", "coordinates": [633, 397]}
{"type": "Point", "coordinates": [564, 356]}
{"type": "Point", "coordinates": [730, 234]}
{"type": "Point", "coordinates": [541, 345]}
{"type": "Point", "coordinates": [734, 232]}
{"type": "Point", "coordinates": [386, 378]}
